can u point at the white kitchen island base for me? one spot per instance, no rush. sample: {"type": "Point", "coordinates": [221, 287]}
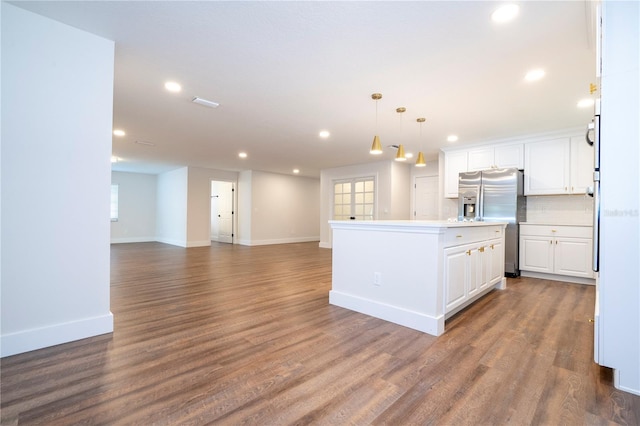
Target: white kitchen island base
{"type": "Point", "coordinates": [415, 273]}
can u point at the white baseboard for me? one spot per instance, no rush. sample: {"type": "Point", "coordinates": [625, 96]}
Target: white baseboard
{"type": "Point", "coordinates": [179, 243]}
{"type": "Point", "coordinates": [203, 243]}
{"type": "Point", "coordinates": [37, 338]}
{"type": "Point", "coordinates": [554, 277]}
{"type": "Point", "coordinates": [415, 320]}
{"type": "Point", "coordinates": [278, 241]}
{"type": "Point", "coordinates": [617, 379]}
{"type": "Point", "coordinates": [133, 240]}
{"type": "Point", "coordinates": [324, 244]}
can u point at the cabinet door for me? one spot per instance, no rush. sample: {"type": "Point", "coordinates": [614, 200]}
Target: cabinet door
{"type": "Point", "coordinates": [455, 276]}
{"type": "Point", "coordinates": [509, 156]}
{"type": "Point", "coordinates": [536, 254]}
{"type": "Point", "coordinates": [476, 275]}
{"type": "Point", "coordinates": [573, 257]}
{"type": "Point", "coordinates": [496, 270]}
{"type": "Point", "coordinates": [581, 165]}
{"type": "Point", "coordinates": [454, 163]}
{"type": "Point", "coordinates": [481, 159]}
{"type": "Point", "coordinates": [547, 167]}
{"type": "Point", "coordinates": [483, 267]}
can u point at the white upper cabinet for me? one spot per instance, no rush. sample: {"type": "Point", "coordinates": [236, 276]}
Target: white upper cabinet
{"type": "Point", "coordinates": [480, 159]}
{"type": "Point", "coordinates": [509, 156]}
{"type": "Point", "coordinates": [581, 165]}
{"type": "Point", "coordinates": [558, 166]}
{"type": "Point", "coordinates": [454, 163]}
{"type": "Point", "coordinates": [546, 167]}
{"type": "Point", "coordinates": [563, 165]}
{"type": "Point", "coordinates": [496, 157]}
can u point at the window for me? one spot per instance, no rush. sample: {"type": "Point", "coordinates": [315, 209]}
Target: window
{"type": "Point", "coordinates": [114, 203]}
{"type": "Point", "coordinates": [354, 199]}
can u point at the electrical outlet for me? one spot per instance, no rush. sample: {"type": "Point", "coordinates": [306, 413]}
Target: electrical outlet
{"type": "Point", "coordinates": [377, 278]}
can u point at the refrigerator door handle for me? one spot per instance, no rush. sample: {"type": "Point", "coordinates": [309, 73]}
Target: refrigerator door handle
{"type": "Point", "coordinates": [590, 127]}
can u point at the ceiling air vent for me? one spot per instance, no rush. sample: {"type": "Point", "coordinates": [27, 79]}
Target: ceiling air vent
{"type": "Point", "coordinates": [204, 102]}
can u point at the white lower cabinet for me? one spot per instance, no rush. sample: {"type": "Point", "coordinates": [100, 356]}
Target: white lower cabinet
{"type": "Point", "coordinates": [470, 269]}
{"type": "Point", "coordinates": [456, 270]}
{"type": "Point", "coordinates": [561, 250]}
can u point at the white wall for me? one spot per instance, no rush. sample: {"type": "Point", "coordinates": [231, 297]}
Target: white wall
{"type": "Point", "coordinates": [284, 209]}
{"type": "Point", "coordinates": [244, 216]}
{"type": "Point", "coordinates": [137, 193]}
{"type": "Point", "coordinates": [401, 189]}
{"type": "Point", "coordinates": [393, 191]}
{"type": "Point", "coordinates": [57, 102]}
{"type": "Point", "coordinates": [171, 210]}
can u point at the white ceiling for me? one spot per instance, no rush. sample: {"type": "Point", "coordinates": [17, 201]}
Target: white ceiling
{"type": "Point", "coordinates": [283, 71]}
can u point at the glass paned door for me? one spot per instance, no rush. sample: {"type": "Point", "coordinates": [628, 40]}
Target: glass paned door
{"type": "Point", "coordinates": [354, 199]}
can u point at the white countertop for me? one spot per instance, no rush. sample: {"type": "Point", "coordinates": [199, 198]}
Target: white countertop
{"type": "Point", "coordinates": [556, 224]}
{"type": "Point", "coordinates": [416, 224]}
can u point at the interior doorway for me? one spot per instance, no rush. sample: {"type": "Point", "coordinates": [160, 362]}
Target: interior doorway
{"type": "Point", "coordinates": [222, 212]}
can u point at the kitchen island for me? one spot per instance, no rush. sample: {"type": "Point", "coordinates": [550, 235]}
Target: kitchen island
{"type": "Point", "coordinates": [415, 273]}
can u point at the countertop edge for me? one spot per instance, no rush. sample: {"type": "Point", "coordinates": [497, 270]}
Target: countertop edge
{"type": "Point", "coordinates": [409, 225]}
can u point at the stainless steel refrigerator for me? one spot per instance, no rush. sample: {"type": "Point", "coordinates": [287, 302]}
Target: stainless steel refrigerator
{"type": "Point", "coordinates": [495, 195]}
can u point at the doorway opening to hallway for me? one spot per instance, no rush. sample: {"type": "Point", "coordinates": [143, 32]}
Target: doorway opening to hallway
{"type": "Point", "coordinates": [222, 211]}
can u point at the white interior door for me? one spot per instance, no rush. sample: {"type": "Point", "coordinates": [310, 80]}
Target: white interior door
{"type": "Point", "coordinates": [222, 200]}
{"type": "Point", "coordinates": [426, 198]}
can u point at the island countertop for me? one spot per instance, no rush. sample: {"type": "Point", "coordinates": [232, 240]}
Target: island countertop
{"type": "Point", "coordinates": [415, 224]}
{"type": "Point", "coordinates": [415, 273]}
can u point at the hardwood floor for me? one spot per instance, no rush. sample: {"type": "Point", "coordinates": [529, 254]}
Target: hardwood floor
{"type": "Point", "coordinates": [245, 335]}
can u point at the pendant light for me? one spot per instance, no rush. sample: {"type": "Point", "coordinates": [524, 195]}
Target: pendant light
{"type": "Point", "coordinates": [376, 146]}
{"type": "Point", "coordinates": [420, 161]}
{"type": "Point", "coordinates": [400, 153]}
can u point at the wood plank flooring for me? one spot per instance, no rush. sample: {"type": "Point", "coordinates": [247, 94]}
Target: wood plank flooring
{"type": "Point", "coordinates": [234, 335]}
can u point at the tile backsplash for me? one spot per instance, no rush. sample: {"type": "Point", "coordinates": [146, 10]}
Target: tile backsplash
{"type": "Point", "coordinates": [544, 209]}
{"type": "Point", "coordinates": [560, 209]}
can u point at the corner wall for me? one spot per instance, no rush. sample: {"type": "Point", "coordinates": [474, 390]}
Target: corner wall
{"type": "Point", "coordinates": [57, 103]}
{"type": "Point", "coordinates": [137, 193]}
{"type": "Point", "coordinates": [282, 208]}
{"type": "Point", "coordinates": [171, 210]}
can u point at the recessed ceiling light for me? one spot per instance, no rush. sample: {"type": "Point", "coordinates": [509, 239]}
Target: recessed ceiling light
{"type": "Point", "coordinates": [534, 75]}
{"type": "Point", "coordinates": [505, 13]}
{"type": "Point", "coordinates": [324, 134]}
{"type": "Point", "coordinates": [172, 86]}
{"type": "Point", "coordinates": [114, 159]}
{"type": "Point", "coordinates": [586, 103]}
{"type": "Point", "coordinates": [452, 138]}
{"type": "Point", "coordinates": [242, 155]}
{"type": "Point", "coordinates": [296, 171]}
{"type": "Point", "coordinates": [119, 132]}
{"type": "Point", "coordinates": [408, 155]}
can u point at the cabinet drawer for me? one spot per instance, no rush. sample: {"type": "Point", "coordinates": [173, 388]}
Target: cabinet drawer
{"type": "Point", "coordinates": [463, 235]}
{"type": "Point", "coordinates": [556, 231]}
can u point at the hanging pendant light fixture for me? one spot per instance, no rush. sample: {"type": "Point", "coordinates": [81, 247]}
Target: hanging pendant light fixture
{"type": "Point", "coordinates": [400, 153]}
{"type": "Point", "coordinates": [420, 161]}
{"type": "Point", "coordinates": [376, 146]}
